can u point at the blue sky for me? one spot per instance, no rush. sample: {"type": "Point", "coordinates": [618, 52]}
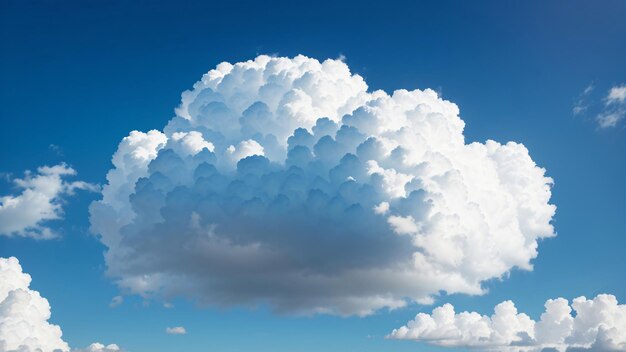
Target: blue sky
{"type": "Point", "coordinates": [81, 75]}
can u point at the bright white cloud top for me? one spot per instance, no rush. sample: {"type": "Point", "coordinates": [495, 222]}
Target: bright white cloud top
{"type": "Point", "coordinates": [40, 200]}
{"type": "Point", "coordinates": [24, 316]}
{"type": "Point", "coordinates": [617, 95]}
{"type": "Point", "coordinates": [24, 313]}
{"type": "Point", "coordinates": [598, 324]}
{"type": "Point", "coordinates": [284, 181]}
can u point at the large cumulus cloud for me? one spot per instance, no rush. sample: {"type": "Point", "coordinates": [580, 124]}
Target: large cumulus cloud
{"type": "Point", "coordinates": [24, 315]}
{"type": "Point", "coordinates": [598, 324]}
{"type": "Point", "coordinates": [284, 181]}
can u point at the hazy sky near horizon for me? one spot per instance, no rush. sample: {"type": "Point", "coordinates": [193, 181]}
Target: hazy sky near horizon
{"type": "Point", "coordinates": [77, 77]}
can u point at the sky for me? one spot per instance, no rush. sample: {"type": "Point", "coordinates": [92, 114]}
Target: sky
{"type": "Point", "coordinates": [78, 77]}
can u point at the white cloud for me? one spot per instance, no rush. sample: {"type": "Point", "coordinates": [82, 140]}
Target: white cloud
{"type": "Point", "coordinates": [190, 143]}
{"type": "Point", "coordinates": [177, 330]}
{"type": "Point", "coordinates": [316, 195]}
{"type": "Point", "coordinates": [615, 108]}
{"type": "Point", "coordinates": [40, 200]}
{"type": "Point", "coordinates": [24, 315]}
{"type": "Point", "coordinates": [598, 324]}
{"type": "Point", "coordinates": [611, 118]}
{"type": "Point", "coordinates": [116, 301]}
{"type": "Point", "coordinates": [98, 347]}
{"type": "Point", "coordinates": [381, 208]}
{"type": "Point", "coordinates": [56, 149]}
{"type": "Point", "coordinates": [617, 95]}
{"type": "Point", "coordinates": [581, 104]}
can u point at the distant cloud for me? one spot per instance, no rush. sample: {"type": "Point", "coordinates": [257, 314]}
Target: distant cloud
{"type": "Point", "coordinates": [581, 104]}
{"type": "Point", "coordinates": [615, 107]}
{"type": "Point", "coordinates": [98, 347]}
{"type": "Point", "coordinates": [40, 200]}
{"type": "Point", "coordinates": [610, 118]}
{"type": "Point", "coordinates": [56, 149]}
{"type": "Point", "coordinates": [24, 314]}
{"type": "Point", "coordinates": [292, 185]}
{"type": "Point", "coordinates": [177, 330]}
{"type": "Point", "coordinates": [598, 324]}
{"type": "Point", "coordinates": [611, 112]}
{"type": "Point", "coordinates": [116, 301]}
{"type": "Point", "coordinates": [617, 95]}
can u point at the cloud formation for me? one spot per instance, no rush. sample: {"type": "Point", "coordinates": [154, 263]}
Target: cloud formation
{"type": "Point", "coordinates": [581, 104]}
{"type": "Point", "coordinates": [24, 315]}
{"type": "Point", "coordinates": [98, 347]}
{"type": "Point", "coordinates": [116, 301]}
{"type": "Point", "coordinates": [284, 181]}
{"type": "Point", "coordinates": [615, 107]}
{"type": "Point", "coordinates": [598, 324]}
{"type": "Point", "coordinates": [617, 95]}
{"type": "Point", "coordinates": [40, 201]}
{"type": "Point", "coordinates": [177, 330]}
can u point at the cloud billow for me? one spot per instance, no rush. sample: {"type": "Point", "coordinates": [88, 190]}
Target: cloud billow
{"type": "Point", "coordinates": [284, 181]}
{"type": "Point", "coordinates": [40, 201]}
{"type": "Point", "coordinates": [598, 324]}
{"type": "Point", "coordinates": [25, 314]}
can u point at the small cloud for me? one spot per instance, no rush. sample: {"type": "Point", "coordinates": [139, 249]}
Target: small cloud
{"type": "Point", "coordinates": [579, 108]}
{"type": "Point", "coordinates": [615, 107]}
{"type": "Point", "coordinates": [607, 115]}
{"type": "Point", "coordinates": [382, 208]}
{"type": "Point", "coordinates": [168, 305]}
{"type": "Point", "coordinates": [116, 301]}
{"type": "Point", "coordinates": [617, 95]}
{"type": "Point", "coordinates": [98, 347]}
{"type": "Point", "coordinates": [610, 119]}
{"type": "Point", "coordinates": [40, 200]}
{"type": "Point", "coordinates": [6, 176]}
{"type": "Point", "coordinates": [177, 330]}
{"type": "Point", "coordinates": [581, 104]}
{"type": "Point", "coordinates": [56, 149]}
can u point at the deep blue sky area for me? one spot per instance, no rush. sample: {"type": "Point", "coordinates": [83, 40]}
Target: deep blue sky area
{"type": "Point", "coordinates": [82, 74]}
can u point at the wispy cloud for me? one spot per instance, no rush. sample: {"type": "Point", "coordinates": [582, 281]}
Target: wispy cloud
{"type": "Point", "coordinates": [610, 119]}
{"type": "Point", "coordinates": [581, 105]}
{"type": "Point", "coordinates": [56, 149]}
{"type": "Point", "coordinates": [608, 112]}
{"type": "Point", "coordinates": [614, 108]}
{"type": "Point", "coordinates": [177, 330]}
{"type": "Point", "coordinates": [116, 301]}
